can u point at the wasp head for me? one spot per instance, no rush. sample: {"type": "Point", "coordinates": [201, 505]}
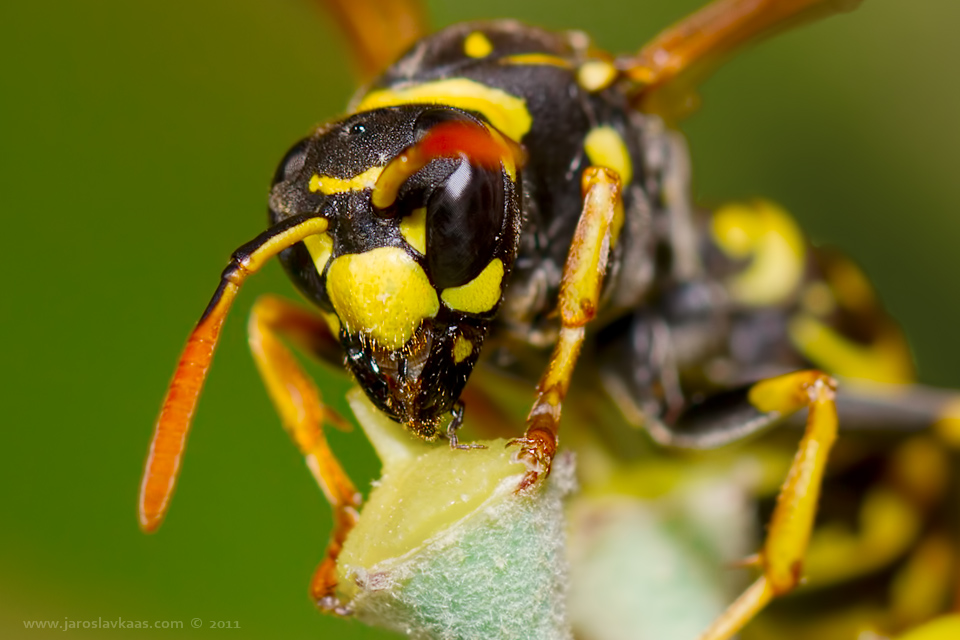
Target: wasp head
{"type": "Point", "coordinates": [423, 205]}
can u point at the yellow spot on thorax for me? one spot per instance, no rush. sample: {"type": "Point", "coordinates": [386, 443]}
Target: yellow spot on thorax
{"type": "Point", "coordinates": [769, 235]}
{"type": "Point", "coordinates": [606, 148]}
{"type": "Point", "coordinates": [320, 247]}
{"type": "Point", "coordinates": [382, 294]}
{"type": "Point", "coordinates": [480, 294]}
{"type": "Point", "coordinates": [596, 75]}
{"type": "Point", "coordinates": [462, 348]}
{"type": "Point", "coordinates": [329, 185]}
{"type": "Point", "coordinates": [476, 45]}
{"type": "Point", "coordinates": [413, 228]}
{"type": "Point", "coordinates": [533, 59]}
{"type": "Point", "coordinates": [506, 112]}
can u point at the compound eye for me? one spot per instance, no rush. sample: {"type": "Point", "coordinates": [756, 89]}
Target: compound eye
{"type": "Point", "coordinates": [292, 162]}
{"type": "Point", "coordinates": [430, 118]}
{"type": "Point", "coordinates": [464, 223]}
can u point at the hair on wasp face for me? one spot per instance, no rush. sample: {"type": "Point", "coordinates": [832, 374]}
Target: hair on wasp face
{"type": "Point", "coordinates": [424, 216]}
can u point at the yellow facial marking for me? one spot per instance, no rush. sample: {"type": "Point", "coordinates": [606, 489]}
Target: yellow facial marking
{"type": "Point", "coordinates": [606, 148]}
{"type": "Point", "coordinates": [506, 112]}
{"type": "Point", "coordinates": [413, 228]}
{"type": "Point", "coordinates": [462, 348]}
{"type": "Point", "coordinates": [320, 247]}
{"type": "Point", "coordinates": [476, 45]}
{"type": "Point", "coordinates": [768, 234]}
{"type": "Point", "coordinates": [480, 294]}
{"type": "Point", "coordinates": [382, 294]}
{"type": "Point", "coordinates": [542, 59]}
{"type": "Point", "coordinates": [328, 185]}
{"type": "Point", "coordinates": [596, 75]}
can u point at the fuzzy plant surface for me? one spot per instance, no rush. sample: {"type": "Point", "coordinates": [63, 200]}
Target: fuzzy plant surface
{"type": "Point", "coordinates": [446, 548]}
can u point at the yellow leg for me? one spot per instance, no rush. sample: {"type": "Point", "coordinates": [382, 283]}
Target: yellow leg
{"type": "Point", "coordinates": [781, 558]}
{"type": "Point", "coordinates": [303, 415]}
{"type": "Point", "coordinates": [583, 273]}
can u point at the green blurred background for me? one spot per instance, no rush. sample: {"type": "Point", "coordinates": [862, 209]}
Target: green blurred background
{"type": "Point", "coordinates": [137, 141]}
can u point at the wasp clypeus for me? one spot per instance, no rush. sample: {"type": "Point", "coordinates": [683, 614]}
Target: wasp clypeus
{"type": "Point", "coordinates": [511, 196]}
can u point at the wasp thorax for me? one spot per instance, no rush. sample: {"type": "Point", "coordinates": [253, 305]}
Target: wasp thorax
{"type": "Point", "coordinates": [424, 216]}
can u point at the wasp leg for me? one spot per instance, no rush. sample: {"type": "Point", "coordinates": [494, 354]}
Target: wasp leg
{"type": "Point", "coordinates": [379, 31]}
{"type": "Point", "coordinates": [893, 518]}
{"type": "Point", "coordinates": [721, 419]}
{"type": "Point", "coordinates": [303, 415]}
{"type": "Point", "coordinates": [781, 558]}
{"type": "Point", "coordinates": [893, 514]}
{"type": "Point", "coordinates": [454, 425]}
{"type": "Point", "coordinates": [583, 273]}
{"type": "Point", "coordinates": [894, 521]}
{"type": "Point", "coordinates": [683, 55]}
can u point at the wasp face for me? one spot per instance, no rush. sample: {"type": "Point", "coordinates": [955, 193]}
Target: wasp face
{"type": "Point", "coordinates": [424, 215]}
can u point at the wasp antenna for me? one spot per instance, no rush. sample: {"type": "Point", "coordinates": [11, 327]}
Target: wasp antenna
{"type": "Point", "coordinates": [170, 433]}
{"type": "Point", "coordinates": [481, 145]}
{"type": "Point", "coordinates": [378, 31]}
{"type": "Point", "coordinates": [683, 55]}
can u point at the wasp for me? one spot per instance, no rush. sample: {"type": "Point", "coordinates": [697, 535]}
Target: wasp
{"type": "Point", "coordinates": [503, 196]}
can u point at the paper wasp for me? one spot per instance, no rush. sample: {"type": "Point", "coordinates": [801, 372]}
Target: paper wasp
{"type": "Point", "coordinates": [504, 194]}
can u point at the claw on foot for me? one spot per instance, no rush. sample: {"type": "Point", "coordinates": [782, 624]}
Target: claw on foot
{"type": "Point", "coordinates": [536, 452]}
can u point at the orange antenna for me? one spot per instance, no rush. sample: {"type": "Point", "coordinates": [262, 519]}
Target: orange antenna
{"type": "Point", "coordinates": [378, 31]}
{"type": "Point", "coordinates": [669, 67]}
{"type": "Point", "coordinates": [720, 27]}
{"type": "Point", "coordinates": [170, 434]}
